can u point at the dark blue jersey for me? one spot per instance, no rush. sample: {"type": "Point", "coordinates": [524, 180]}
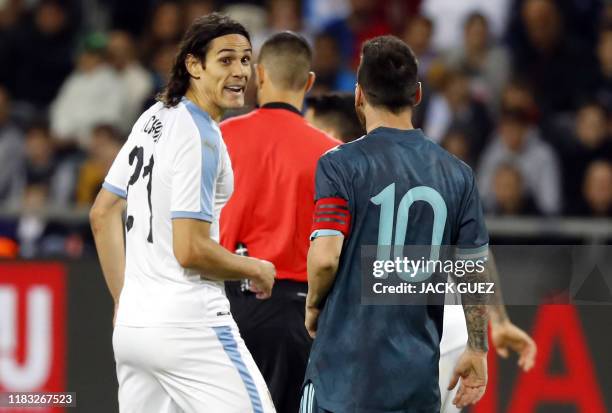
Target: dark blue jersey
{"type": "Point", "coordinates": [400, 189]}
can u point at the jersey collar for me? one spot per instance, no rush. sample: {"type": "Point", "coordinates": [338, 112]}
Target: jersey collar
{"type": "Point", "coordinates": [281, 105]}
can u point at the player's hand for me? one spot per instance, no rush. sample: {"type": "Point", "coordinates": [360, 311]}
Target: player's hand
{"type": "Point", "coordinates": [472, 369]}
{"type": "Point", "coordinates": [262, 283]}
{"type": "Point", "coordinates": [311, 321]}
{"type": "Point", "coordinates": [506, 336]}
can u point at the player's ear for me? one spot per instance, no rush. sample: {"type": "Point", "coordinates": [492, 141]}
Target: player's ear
{"type": "Point", "coordinates": [418, 94]}
{"type": "Point", "coordinates": [358, 96]}
{"type": "Point", "coordinates": [310, 82]}
{"type": "Point", "coordinates": [260, 74]}
{"type": "Point", "coordinates": [194, 66]}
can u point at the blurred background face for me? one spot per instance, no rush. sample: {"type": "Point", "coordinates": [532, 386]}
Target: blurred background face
{"type": "Point", "coordinates": [542, 21]}
{"type": "Point", "coordinates": [120, 49]}
{"type": "Point", "coordinates": [363, 6]}
{"type": "Point", "coordinates": [326, 57]}
{"type": "Point", "coordinates": [457, 144]}
{"type": "Point", "coordinates": [284, 15]}
{"type": "Point", "coordinates": [591, 126]}
{"type": "Point", "coordinates": [417, 35]}
{"type": "Point", "coordinates": [166, 24]}
{"type": "Point", "coordinates": [604, 52]}
{"type": "Point", "coordinates": [195, 9]}
{"type": "Point", "coordinates": [598, 187]}
{"type": "Point", "coordinates": [104, 146]}
{"type": "Point", "coordinates": [50, 18]}
{"type": "Point", "coordinates": [513, 134]}
{"type": "Point", "coordinates": [4, 106]}
{"type": "Point", "coordinates": [457, 91]}
{"type": "Point", "coordinates": [476, 34]}
{"type": "Point", "coordinates": [508, 189]}
{"type": "Point", "coordinates": [34, 197]}
{"type": "Point", "coordinates": [38, 146]}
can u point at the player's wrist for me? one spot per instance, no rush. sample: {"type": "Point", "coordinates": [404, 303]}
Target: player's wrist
{"type": "Point", "coordinates": [477, 350]}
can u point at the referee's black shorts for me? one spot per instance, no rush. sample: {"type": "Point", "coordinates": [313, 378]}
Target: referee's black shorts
{"type": "Point", "coordinates": [274, 333]}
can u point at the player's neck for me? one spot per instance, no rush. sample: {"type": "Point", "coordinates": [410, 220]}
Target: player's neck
{"type": "Point", "coordinates": [214, 111]}
{"type": "Point", "coordinates": [376, 119]}
{"type": "Point", "coordinates": [295, 99]}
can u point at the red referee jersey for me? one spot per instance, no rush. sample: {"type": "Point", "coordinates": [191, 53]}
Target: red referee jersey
{"type": "Point", "coordinates": [274, 153]}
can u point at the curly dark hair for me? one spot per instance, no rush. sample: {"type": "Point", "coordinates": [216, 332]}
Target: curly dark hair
{"type": "Point", "coordinates": [196, 42]}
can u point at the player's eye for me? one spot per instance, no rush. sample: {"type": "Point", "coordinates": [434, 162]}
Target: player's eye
{"type": "Point", "coordinates": [226, 60]}
{"type": "Point", "coordinates": [246, 60]}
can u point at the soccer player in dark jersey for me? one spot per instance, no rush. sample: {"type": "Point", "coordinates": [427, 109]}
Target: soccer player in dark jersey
{"type": "Point", "coordinates": [384, 358]}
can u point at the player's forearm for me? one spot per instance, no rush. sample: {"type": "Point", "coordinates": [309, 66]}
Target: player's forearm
{"type": "Point", "coordinates": [107, 229]}
{"type": "Point", "coordinates": [476, 312]}
{"type": "Point", "coordinates": [321, 275]}
{"type": "Point", "coordinates": [216, 263]}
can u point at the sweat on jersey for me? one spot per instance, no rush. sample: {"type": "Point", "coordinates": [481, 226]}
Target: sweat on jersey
{"type": "Point", "coordinates": [173, 165]}
{"type": "Point", "coordinates": [384, 358]}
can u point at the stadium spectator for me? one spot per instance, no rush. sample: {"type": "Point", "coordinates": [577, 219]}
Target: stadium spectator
{"type": "Point", "coordinates": [510, 195]}
{"type": "Point", "coordinates": [105, 145]}
{"type": "Point", "coordinates": [43, 167]}
{"type": "Point", "coordinates": [417, 34]}
{"type": "Point", "coordinates": [40, 54]}
{"type": "Point", "coordinates": [486, 64]}
{"type": "Point", "coordinates": [517, 95]}
{"type": "Point", "coordinates": [281, 15]}
{"type": "Point", "coordinates": [519, 143]}
{"type": "Point", "coordinates": [597, 190]}
{"type": "Point", "coordinates": [160, 70]}
{"type": "Point", "coordinates": [136, 80]}
{"type": "Point", "coordinates": [335, 114]}
{"type": "Point", "coordinates": [449, 17]}
{"type": "Point", "coordinates": [601, 87]}
{"type": "Point", "coordinates": [332, 75]}
{"type": "Point", "coordinates": [197, 8]}
{"type": "Point", "coordinates": [457, 142]}
{"type": "Point", "coordinates": [92, 94]}
{"type": "Point", "coordinates": [555, 64]}
{"type": "Point", "coordinates": [455, 107]}
{"type": "Point", "coordinates": [587, 141]}
{"type": "Point", "coordinates": [11, 151]}
{"type": "Point", "coordinates": [364, 22]}
{"type": "Point", "coordinates": [166, 26]}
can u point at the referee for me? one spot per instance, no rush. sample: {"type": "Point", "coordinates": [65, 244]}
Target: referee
{"type": "Point", "coordinates": [274, 153]}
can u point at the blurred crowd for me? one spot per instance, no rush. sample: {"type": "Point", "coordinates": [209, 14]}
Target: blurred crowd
{"type": "Point", "coordinates": [521, 90]}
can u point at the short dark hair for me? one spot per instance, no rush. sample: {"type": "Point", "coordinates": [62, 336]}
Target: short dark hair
{"type": "Point", "coordinates": [337, 109]}
{"type": "Point", "coordinates": [290, 59]}
{"type": "Point", "coordinates": [388, 73]}
{"type": "Point", "coordinates": [196, 42]}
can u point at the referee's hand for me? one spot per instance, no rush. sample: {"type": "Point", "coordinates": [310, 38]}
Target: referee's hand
{"type": "Point", "coordinates": [262, 284]}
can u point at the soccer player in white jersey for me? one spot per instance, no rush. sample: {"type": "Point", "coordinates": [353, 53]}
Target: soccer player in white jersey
{"type": "Point", "coordinates": [505, 337]}
{"type": "Point", "coordinates": [176, 345]}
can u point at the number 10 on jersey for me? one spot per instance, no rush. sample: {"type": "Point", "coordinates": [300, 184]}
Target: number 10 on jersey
{"type": "Point", "coordinates": [386, 200]}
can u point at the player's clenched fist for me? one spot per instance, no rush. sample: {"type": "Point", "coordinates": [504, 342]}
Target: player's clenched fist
{"type": "Point", "coordinates": [263, 282]}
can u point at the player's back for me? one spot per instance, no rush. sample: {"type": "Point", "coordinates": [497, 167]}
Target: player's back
{"type": "Point", "coordinates": [402, 189]}
{"type": "Point", "coordinates": [173, 165]}
{"type": "Point", "coordinates": [274, 153]}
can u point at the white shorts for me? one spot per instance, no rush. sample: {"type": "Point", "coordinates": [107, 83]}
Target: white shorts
{"type": "Point", "coordinates": [187, 370]}
{"type": "Point", "coordinates": [448, 361]}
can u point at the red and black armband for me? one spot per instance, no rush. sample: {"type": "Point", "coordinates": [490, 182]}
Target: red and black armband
{"type": "Point", "coordinates": [332, 214]}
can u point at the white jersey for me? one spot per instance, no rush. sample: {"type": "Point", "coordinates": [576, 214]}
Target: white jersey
{"type": "Point", "coordinates": [173, 165]}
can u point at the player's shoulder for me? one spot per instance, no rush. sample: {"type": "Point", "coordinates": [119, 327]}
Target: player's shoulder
{"type": "Point", "coordinates": [344, 154]}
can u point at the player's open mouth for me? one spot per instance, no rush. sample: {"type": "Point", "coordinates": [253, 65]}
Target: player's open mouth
{"type": "Point", "coordinates": [235, 90]}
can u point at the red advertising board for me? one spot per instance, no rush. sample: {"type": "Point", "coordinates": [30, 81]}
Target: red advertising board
{"type": "Point", "coordinates": [32, 329]}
